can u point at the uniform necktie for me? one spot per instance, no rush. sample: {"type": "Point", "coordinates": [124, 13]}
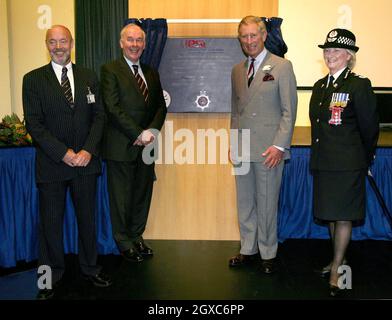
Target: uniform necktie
{"type": "Point", "coordinates": [66, 86]}
{"type": "Point", "coordinates": [142, 85]}
{"type": "Point", "coordinates": [330, 82]}
{"type": "Point", "coordinates": [251, 71]}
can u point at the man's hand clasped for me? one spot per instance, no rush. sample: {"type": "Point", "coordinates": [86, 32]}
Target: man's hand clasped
{"type": "Point", "coordinates": [80, 159]}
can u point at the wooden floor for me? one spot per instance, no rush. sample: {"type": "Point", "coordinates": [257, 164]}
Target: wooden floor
{"type": "Point", "coordinates": [198, 270]}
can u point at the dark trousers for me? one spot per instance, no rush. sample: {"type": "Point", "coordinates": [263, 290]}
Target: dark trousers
{"type": "Point", "coordinates": [52, 200]}
{"type": "Point", "coordinates": [130, 187]}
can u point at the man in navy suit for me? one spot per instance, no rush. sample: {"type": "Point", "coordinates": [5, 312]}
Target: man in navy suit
{"type": "Point", "coordinates": [65, 118]}
{"type": "Point", "coordinates": [135, 109]}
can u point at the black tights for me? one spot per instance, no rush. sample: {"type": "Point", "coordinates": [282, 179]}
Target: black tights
{"type": "Point", "coordinates": [340, 232]}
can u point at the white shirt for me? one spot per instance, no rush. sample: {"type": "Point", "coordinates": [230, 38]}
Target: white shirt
{"type": "Point", "coordinates": [258, 60]}
{"type": "Point", "coordinates": [58, 70]}
{"type": "Point", "coordinates": [336, 75]}
{"type": "Point", "coordinates": [139, 70]}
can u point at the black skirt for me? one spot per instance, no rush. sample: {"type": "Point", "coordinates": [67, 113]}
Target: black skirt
{"type": "Point", "coordinates": [339, 195]}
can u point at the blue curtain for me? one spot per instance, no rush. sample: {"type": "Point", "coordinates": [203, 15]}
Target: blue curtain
{"type": "Point", "coordinates": [295, 219]}
{"type": "Point", "coordinates": [156, 35]}
{"type": "Point", "coordinates": [275, 42]}
{"type": "Point", "coordinates": [19, 206]}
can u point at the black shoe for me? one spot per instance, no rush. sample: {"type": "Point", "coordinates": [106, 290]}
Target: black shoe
{"type": "Point", "coordinates": [143, 248]}
{"type": "Point", "coordinates": [45, 294]}
{"type": "Point", "coordinates": [334, 291]}
{"type": "Point", "coordinates": [132, 255]}
{"type": "Point", "coordinates": [242, 259]}
{"type": "Point", "coordinates": [325, 272]}
{"type": "Point", "coordinates": [100, 280]}
{"type": "Point", "coordinates": [268, 266]}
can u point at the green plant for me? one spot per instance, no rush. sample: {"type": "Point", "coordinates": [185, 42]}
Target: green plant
{"type": "Point", "coordinates": [13, 132]}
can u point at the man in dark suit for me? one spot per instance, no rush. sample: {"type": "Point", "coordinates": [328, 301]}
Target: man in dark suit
{"type": "Point", "coordinates": [64, 116]}
{"type": "Point", "coordinates": [135, 109]}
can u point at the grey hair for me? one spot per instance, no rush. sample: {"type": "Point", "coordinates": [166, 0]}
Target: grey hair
{"type": "Point", "coordinates": [351, 63]}
{"type": "Point", "coordinates": [132, 25]}
{"type": "Point", "coordinates": [252, 19]}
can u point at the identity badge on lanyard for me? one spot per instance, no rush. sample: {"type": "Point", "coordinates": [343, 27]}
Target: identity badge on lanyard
{"type": "Point", "coordinates": [338, 103]}
{"type": "Point", "coordinates": [90, 96]}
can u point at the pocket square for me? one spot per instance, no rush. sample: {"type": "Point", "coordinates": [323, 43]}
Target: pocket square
{"type": "Point", "coordinates": [268, 77]}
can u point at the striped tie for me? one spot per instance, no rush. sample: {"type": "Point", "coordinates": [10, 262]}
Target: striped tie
{"type": "Point", "coordinates": [140, 82]}
{"type": "Point", "coordinates": [251, 71]}
{"type": "Point", "coordinates": [66, 86]}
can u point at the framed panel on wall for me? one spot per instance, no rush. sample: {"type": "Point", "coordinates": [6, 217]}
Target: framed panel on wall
{"type": "Point", "coordinates": [196, 73]}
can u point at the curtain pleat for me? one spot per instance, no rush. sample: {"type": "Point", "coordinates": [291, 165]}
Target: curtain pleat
{"type": "Point", "coordinates": [274, 42]}
{"type": "Point", "coordinates": [98, 25]}
{"type": "Point", "coordinates": [156, 35]}
{"type": "Point", "coordinates": [19, 206]}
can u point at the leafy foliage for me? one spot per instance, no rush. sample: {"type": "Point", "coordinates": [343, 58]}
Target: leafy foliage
{"type": "Point", "coordinates": [13, 132]}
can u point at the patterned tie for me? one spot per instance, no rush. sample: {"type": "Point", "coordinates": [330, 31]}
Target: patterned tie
{"type": "Point", "coordinates": [66, 86]}
{"type": "Point", "coordinates": [251, 71]}
{"type": "Point", "coordinates": [140, 82]}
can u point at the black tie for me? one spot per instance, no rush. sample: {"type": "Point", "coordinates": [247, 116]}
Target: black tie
{"type": "Point", "coordinates": [140, 82]}
{"type": "Point", "coordinates": [330, 82]}
{"type": "Point", "coordinates": [66, 86]}
{"type": "Point", "coordinates": [251, 71]}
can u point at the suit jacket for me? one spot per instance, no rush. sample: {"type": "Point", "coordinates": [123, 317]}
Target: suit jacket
{"type": "Point", "coordinates": [351, 144]}
{"type": "Point", "coordinates": [55, 126]}
{"type": "Point", "coordinates": [267, 108]}
{"type": "Point", "coordinates": [128, 114]}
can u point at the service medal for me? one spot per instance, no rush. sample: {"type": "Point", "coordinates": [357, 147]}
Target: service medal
{"type": "Point", "coordinates": [338, 103]}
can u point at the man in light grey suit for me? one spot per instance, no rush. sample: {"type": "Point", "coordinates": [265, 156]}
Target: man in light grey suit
{"type": "Point", "coordinates": [264, 101]}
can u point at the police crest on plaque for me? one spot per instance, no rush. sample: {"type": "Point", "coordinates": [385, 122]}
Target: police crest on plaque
{"type": "Point", "coordinates": [202, 101]}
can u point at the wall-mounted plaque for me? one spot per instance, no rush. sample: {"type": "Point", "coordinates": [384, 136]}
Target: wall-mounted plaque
{"type": "Point", "coordinates": [196, 73]}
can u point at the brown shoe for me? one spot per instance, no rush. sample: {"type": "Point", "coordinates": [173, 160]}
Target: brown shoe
{"type": "Point", "coordinates": [268, 266]}
{"type": "Point", "coordinates": [241, 259]}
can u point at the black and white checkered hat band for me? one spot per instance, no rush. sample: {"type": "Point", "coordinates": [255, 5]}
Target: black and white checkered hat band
{"type": "Point", "coordinates": [342, 40]}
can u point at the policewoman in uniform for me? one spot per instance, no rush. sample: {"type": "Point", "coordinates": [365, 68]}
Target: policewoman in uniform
{"type": "Point", "coordinates": [345, 128]}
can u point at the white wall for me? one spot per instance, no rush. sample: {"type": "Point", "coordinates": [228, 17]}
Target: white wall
{"type": "Point", "coordinates": [27, 25]}
{"type": "Point", "coordinates": [5, 82]}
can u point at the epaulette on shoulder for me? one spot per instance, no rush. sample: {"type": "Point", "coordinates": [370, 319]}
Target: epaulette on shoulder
{"type": "Point", "coordinates": [358, 75]}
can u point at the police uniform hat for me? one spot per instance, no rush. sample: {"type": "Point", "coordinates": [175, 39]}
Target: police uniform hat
{"type": "Point", "coordinates": [340, 38]}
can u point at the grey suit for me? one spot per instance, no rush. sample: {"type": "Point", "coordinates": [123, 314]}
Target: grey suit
{"type": "Point", "coordinates": [268, 109]}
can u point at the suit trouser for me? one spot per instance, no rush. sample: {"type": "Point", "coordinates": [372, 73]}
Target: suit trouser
{"type": "Point", "coordinates": [257, 204]}
{"type": "Point", "coordinates": [130, 191]}
{"type": "Point", "coordinates": [52, 201]}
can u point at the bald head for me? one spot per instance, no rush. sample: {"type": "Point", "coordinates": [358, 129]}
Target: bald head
{"type": "Point", "coordinates": [58, 27]}
{"type": "Point", "coordinates": [59, 43]}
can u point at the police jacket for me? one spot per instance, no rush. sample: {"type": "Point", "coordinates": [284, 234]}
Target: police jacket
{"type": "Point", "coordinates": [344, 123]}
